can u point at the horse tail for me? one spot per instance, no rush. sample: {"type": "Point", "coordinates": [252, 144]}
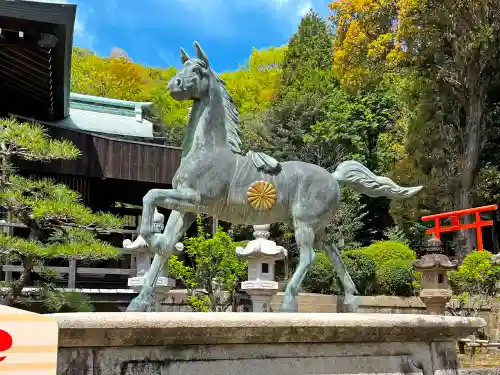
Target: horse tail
{"type": "Point", "coordinates": [361, 179]}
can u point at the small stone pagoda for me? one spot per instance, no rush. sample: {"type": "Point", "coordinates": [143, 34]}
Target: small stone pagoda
{"type": "Point", "coordinates": [143, 262]}
{"type": "Point", "coordinates": [434, 265]}
{"type": "Point", "coordinates": [261, 254]}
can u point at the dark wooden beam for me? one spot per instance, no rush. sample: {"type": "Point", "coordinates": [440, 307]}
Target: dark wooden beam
{"type": "Point", "coordinates": [30, 57]}
{"type": "Point", "coordinates": [24, 25]}
{"type": "Point", "coordinates": [5, 55]}
{"type": "Point", "coordinates": [32, 41]}
{"type": "Point", "coordinates": [46, 13]}
{"type": "Point", "coordinates": [42, 87]}
{"type": "Point", "coordinates": [28, 92]}
{"type": "Point", "coordinates": [44, 78]}
{"type": "Point", "coordinates": [14, 79]}
{"type": "Point", "coordinates": [37, 18]}
{"type": "Point", "coordinates": [101, 232]}
{"type": "Point", "coordinates": [126, 211]}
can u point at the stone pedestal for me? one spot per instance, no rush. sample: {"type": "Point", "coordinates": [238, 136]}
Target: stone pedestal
{"type": "Point", "coordinates": [143, 258]}
{"type": "Point", "coordinates": [435, 300]}
{"type": "Point", "coordinates": [163, 286]}
{"type": "Point", "coordinates": [261, 292]}
{"type": "Point", "coordinates": [259, 343]}
{"type": "Point", "coordinates": [261, 255]}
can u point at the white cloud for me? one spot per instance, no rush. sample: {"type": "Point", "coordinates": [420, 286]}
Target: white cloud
{"type": "Point", "coordinates": [220, 17]}
{"type": "Point", "coordinates": [82, 37]}
{"type": "Point", "coordinates": [288, 13]}
{"type": "Point", "coordinates": [306, 7]}
{"type": "Point", "coordinates": [81, 34]}
{"type": "Point", "coordinates": [79, 28]}
{"type": "Point", "coordinates": [291, 10]}
{"type": "Point", "coordinates": [280, 3]}
{"type": "Point", "coordinates": [167, 57]}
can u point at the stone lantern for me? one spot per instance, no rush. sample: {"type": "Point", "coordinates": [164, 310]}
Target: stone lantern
{"type": "Point", "coordinates": [144, 256]}
{"type": "Point", "coordinates": [261, 254]}
{"type": "Point", "coordinates": [495, 260]}
{"type": "Point", "coordinates": [434, 265]}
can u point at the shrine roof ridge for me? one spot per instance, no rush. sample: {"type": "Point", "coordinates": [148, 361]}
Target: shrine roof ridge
{"type": "Point", "coordinates": [109, 105]}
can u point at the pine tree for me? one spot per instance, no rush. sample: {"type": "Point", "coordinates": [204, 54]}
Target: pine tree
{"type": "Point", "coordinates": [59, 225]}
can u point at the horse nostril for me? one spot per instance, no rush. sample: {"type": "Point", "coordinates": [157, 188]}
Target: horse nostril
{"type": "Point", "coordinates": [178, 82]}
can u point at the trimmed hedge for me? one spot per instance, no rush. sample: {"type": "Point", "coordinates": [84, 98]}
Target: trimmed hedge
{"type": "Point", "coordinates": [395, 278]}
{"type": "Point", "coordinates": [322, 277]}
{"type": "Point", "coordinates": [384, 251]}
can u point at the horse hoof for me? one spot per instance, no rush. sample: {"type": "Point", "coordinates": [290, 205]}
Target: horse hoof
{"type": "Point", "coordinates": [289, 307]}
{"type": "Point", "coordinates": [352, 303]}
{"type": "Point", "coordinates": [286, 310]}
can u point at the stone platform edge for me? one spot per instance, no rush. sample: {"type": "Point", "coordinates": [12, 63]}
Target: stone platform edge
{"type": "Point", "coordinates": [154, 329]}
{"type": "Point", "coordinates": [480, 371]}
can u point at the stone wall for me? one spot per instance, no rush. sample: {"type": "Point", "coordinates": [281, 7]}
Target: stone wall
{"type": "Point", "coordinates": [176, 301]}
{"type": "Point", "coordinates": [316, 303]}
{"type": "Point", "coordinates": [259, 343]}
{"type": "Point", "coordinates": [319, 303]}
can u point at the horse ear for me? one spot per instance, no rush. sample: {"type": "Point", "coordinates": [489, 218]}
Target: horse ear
{"type": "Point", "coordinates": [200, 54]}
{"type": "Point", "coordinates": [184, 56]}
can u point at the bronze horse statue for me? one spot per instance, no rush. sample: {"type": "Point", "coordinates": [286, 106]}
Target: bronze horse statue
{"type": "Point", "coordinates": [215, 178]}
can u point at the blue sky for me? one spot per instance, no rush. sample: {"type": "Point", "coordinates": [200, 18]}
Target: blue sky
{"type": "Point", "coordinates": [151, 31]}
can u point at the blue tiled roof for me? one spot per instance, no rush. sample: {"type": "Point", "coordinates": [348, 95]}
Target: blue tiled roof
{"type": "Point", "coordinates": [107, 116]}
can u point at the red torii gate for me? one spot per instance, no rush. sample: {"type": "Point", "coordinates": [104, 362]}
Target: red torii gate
{"type": "Point", "coordinates": [454, 216]}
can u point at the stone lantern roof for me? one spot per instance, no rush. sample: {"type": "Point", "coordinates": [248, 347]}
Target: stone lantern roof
{"type": "Point", "coordinates": [435, 257]}
{"type": "Point", "coordinates": [430, 261]}
{"type": "Point", "coordinates": [261, 246]}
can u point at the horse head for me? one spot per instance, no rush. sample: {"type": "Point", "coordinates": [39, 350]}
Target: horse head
{"type": "Point", "coordinates": [192, 82]}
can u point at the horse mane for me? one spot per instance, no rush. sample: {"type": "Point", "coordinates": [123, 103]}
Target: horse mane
{"type": "Point", "coordinates": [231, 118]}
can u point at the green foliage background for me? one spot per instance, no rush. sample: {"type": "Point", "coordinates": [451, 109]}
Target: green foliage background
{"type": "Point", "coordinates": [390, 94]}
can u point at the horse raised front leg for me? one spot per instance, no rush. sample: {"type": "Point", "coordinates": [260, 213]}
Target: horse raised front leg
{"type": "Point", "coordinates": [351, 301]}
{"type": "Point", "coordinates": [181, 200]}
{"type": "Point", "coordinates": [304, 235]}
{"type": "Point", "coordinates": [177, 225]}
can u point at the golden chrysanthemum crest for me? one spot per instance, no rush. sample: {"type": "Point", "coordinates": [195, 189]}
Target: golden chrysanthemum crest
{"type": "Point", "coordinates": [262, 195]}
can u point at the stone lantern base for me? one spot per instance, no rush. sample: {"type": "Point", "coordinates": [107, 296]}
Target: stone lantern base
{"type": "Point", "coordinates": [163, 286]}
{"type": "Point", "coordinates": [261, 292]}
{"type": "Point", "coordinates": [435, 300]}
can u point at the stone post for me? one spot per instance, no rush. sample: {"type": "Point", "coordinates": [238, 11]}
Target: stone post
{"type": "Point", "coordinates": [495, 260]}
{"type": "Point", "coordinates": [434, 265]}
{"type": "Point", "coordinates": [144, 257]}
{"type": "Point", "coordinates": [261, 254]}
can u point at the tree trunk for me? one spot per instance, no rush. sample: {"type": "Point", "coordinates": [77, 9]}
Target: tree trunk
{"type": "Point", "coordinates": [27, 264]}
{"type": "Point", "coordinates": [494, 237]}
{"type": "Point", "coordinates": [17, 287]}
{"type": "Point", "coordinates": [470, 166]}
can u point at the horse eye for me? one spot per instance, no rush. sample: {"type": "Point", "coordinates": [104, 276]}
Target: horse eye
{"type": "Point", "coordinates": [198, 71]}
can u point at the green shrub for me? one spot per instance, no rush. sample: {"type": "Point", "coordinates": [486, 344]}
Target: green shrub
{"type": "Point", "coordinates": [386, 251]}
{"type": "Point", "coordinates": [395, 278]}
{"type": "Point", "coordinates": [476, 275]}
{"type": "Point", "coordinates": [322, 277]}
{"type": "Point", "coordinates": [362, 270]}
{"type": "Point", "coordinates": [394, 272]}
